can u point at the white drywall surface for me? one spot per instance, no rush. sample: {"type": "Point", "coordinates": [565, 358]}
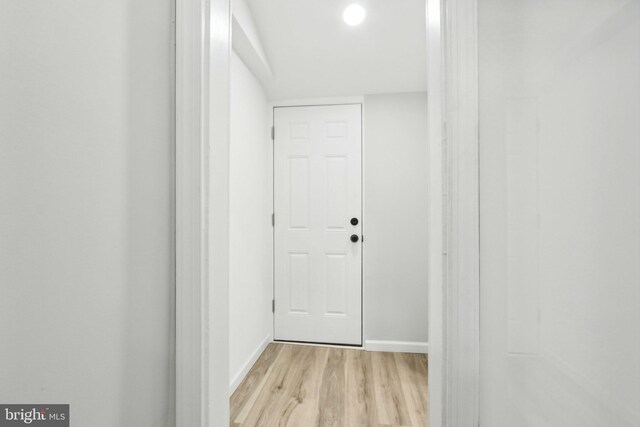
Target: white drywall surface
{"type": "Point", "coordinates": [395, 218]}
{"type": "Point", "coordinates": [250, 280]}
{"type": "Point", "coordinates": [86, 209]}
{"type": "Point", "coordinates": [560, 213]}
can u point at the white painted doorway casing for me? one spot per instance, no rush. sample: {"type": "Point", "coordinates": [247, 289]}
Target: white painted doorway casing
{"type": "Point", "coordinates": [201, 288]}
{"type": "Point", "coordinates": [317, 192]}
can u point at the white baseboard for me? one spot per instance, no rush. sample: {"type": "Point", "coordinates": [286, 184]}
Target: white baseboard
{"type": "Point", "coordinates": [235, 381]}
{"type": "Point", "coordinates": [397, 346]}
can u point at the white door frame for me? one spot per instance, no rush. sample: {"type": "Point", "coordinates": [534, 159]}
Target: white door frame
{"type": "Point", "coordinates": [203, 46]}
{"type": "Point", "coordinates": [202, 172]}
{"type": "Point", "coordinates": [454, 242]}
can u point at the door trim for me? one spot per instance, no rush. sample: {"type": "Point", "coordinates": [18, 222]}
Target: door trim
{"type": "Point", "coordinates": [319, 102]}
{"type": "Point", "coordinates": [454, 253]}
{"type": "Point", "coordinates": [203, 46]}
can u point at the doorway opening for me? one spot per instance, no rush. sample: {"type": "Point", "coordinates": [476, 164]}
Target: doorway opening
{"type": "Point", "coordinates": [328, 120]}
{"type": "Point", "coordinates": [205, 344]}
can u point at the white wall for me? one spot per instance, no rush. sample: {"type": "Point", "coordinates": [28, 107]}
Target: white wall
{"type": "Point", "coordinates": [86, 223]}
{"type": "Point", "coordinates": [250, 281]}
{"type": "Point", "coordinates": [395, 218]}
{"type": "Point", "coordinates": [560, 213]}
{"type": "Point", "coordinates": [247, 43]}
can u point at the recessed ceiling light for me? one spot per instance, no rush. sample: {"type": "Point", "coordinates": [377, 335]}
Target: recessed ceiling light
{"type": "Point", "coordinates": [354, 14]}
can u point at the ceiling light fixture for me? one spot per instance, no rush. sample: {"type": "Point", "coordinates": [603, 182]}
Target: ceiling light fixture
{"type": "Point", "coordinates": [354, 14]}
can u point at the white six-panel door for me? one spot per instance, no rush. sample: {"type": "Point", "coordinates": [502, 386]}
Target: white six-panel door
{"type": "Point", "coordinates": [317, 193]}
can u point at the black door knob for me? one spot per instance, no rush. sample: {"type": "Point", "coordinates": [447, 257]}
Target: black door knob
{"type": "Point", "coordinates": [354, 221]}
{"type": "Point", "coordinates": [354, 238]}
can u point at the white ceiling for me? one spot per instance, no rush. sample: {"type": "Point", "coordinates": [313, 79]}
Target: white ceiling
{"type": "Point", "coordinates": [313, 53]}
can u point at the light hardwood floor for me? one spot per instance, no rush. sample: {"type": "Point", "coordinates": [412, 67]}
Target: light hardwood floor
{"type": "Point", "coordinates": [305, 386]}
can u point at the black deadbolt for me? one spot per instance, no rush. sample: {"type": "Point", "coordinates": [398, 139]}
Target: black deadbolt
{"type": "Point", "coordinates": [354, 238]}
{"type": "Point", "coordinates": [354, 221]}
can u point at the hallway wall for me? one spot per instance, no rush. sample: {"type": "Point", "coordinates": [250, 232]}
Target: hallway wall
{"type": "Point", "coordinates": [86, 209]}
{"type": "Point", "coordinates": [250, 277]}
{"type": "Point", "coordinates": [560, 213]}
{"type": "Point", "coordinates": [395, 220]}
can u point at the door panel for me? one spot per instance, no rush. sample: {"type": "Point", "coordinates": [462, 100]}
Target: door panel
{"type": "Point", "coordinates": [317, 190]}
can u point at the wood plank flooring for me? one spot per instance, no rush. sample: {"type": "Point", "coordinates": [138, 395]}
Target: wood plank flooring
{"type": "Point", "coordinates": [306, 386]}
